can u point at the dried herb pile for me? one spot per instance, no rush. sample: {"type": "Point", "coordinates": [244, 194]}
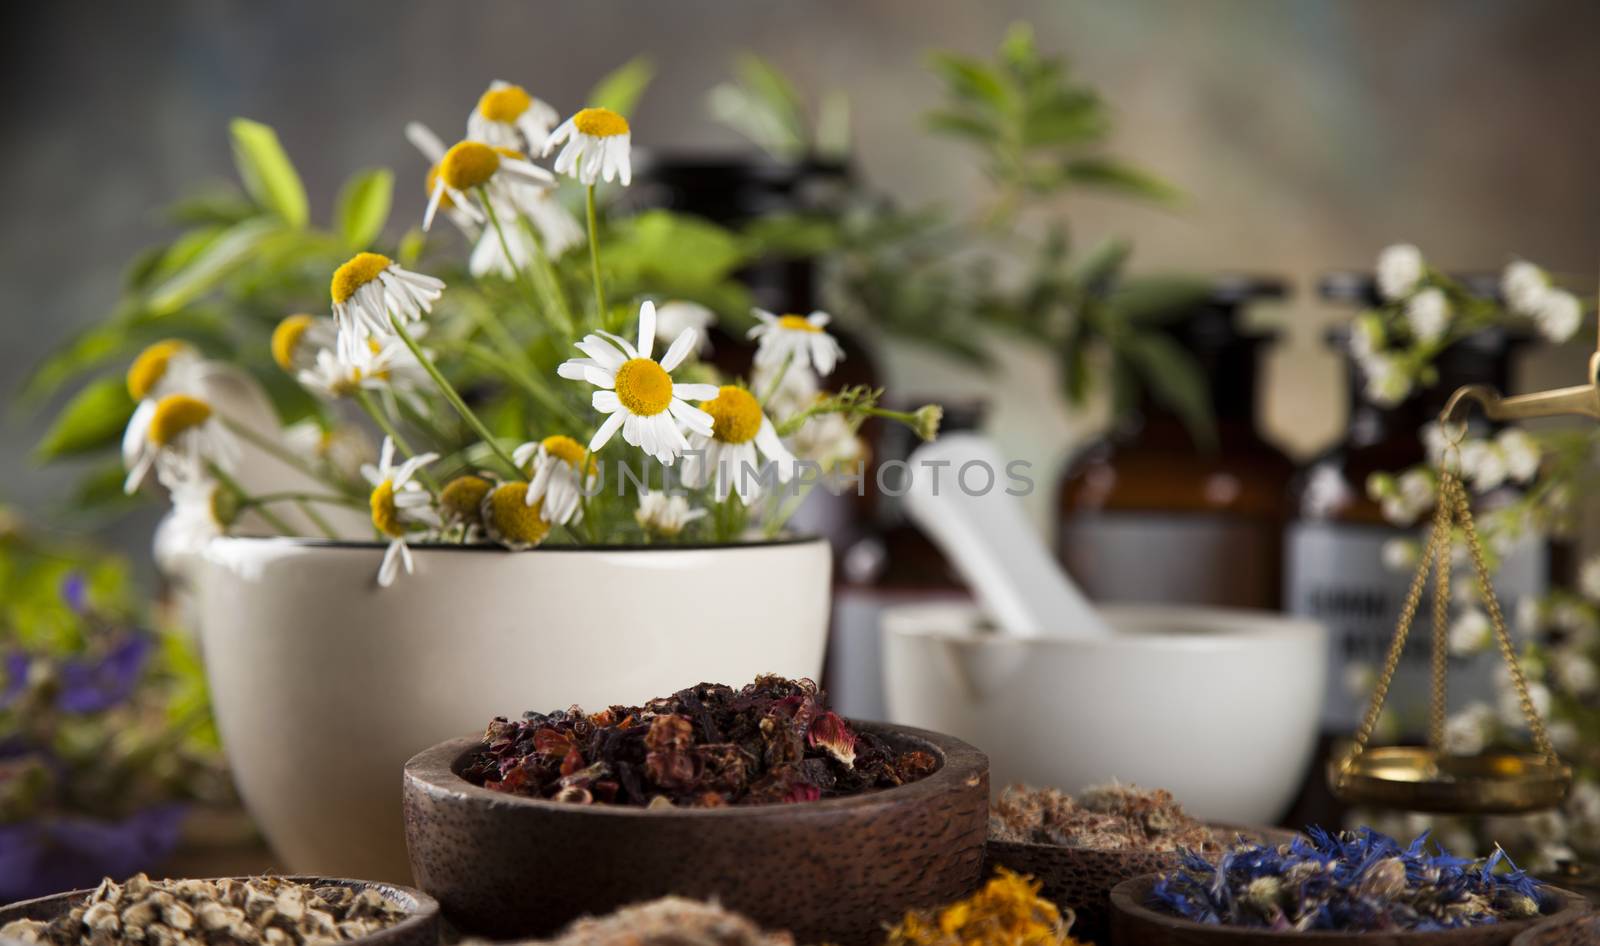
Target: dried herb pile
{"type": "Point", "coordinates": [710, 745]}
{"type": "Point", "coordinates": [1357, 881]}
{"type": "Point", "coordinates": [1008, 911]}
{"type": "Point", "coordinates": [670, 921]}
{"type": "Point", "coordinates": [1103, 818]}
{"type": "Point", "coordinates": [269, 911]}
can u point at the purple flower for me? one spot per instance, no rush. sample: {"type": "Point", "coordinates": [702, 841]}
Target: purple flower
{"type": "Point", "coordinates": [93, 686]}
{"type": "Point", "coordinates": [75, 592]}
{"type": "Point", "coordinates": [52, 854]}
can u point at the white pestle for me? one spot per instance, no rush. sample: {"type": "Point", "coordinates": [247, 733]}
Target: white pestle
{"type": "Point", "coordinates": [986, 534]}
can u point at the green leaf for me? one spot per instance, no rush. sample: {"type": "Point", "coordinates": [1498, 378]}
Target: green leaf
{"type": "Point", "coordinates": [961, 125]}
{"type": "Point", "coordinates": [267, 172]}
{"type": "Point", "coordinates": [1172, 378]}
{"type": "Point", "coordinates": [833, 125]}
{"type": "Point", "coordinates": [621, 89]}
{"type": "Point", "coordinates": [972, 81]}
{"type": "Point", "coordinates": [1153, 300]}
{"type": "Point", "coordinates": [1114, 175]}
{"type": "Point", "coordinates": [91, 420]}
{"type": "Point", "coordinates": [364, 206]}
{"type": "Point", "coordinates": [1099, 271]}
{"type": "Point", "coordinates": [667, 244]}
{"type": "Point", "coordinates": [211, 263]}
{"type": "Point", "coordinates": [1017, 49]}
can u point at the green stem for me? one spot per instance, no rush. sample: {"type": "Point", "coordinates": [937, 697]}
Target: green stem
{"type": "Point", "coordinates": [271, 518]}
{"type": "Point", "coordinates": [594, 263]}
{"type": "Point", "coordinates": [521, 277]}
{"type": "Point", "coordinates": [297, 497]}
{"type": "Point", "coordinates": [455, 400]}
{"type": "Point", "coordinates": [277, 451]}
{"type": "Point", "coordinates": [547, 272]}
{"type": "Point", "coordinates": [381, 417]}
{"type": "Point", "coordinates": [546, 398]}
{"type": "Point", "coordinates": [777, 380]}
{"type": "Point", "coordinates": [317, 519]}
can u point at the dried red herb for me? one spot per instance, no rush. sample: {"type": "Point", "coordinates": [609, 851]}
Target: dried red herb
{"type": "Point", "coordinates": [771, 742]}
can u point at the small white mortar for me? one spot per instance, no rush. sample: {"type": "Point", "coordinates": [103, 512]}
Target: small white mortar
{"type": "Point", "coordinates": [1221, 707]}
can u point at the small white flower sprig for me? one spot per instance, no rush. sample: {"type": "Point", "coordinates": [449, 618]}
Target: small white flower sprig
{"type": "Point", "coordinates": [647, 444]}
{"type": "Point", "coordinates": [1423, 311]}
{"type": "Point", "coordinates": [1531, 482]}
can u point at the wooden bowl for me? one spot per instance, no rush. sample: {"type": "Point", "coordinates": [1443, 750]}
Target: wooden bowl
{"type": "Point", "coordinates": [421, 928]}
{"type": "Point", "coordinates": [1080, 879]}
{"type": "Point", "coordinates": [835, 870]}
{"type": "Point", "coordinates": [1582, 930]}
{"type": "Point", "coordinates": [1133, 922]}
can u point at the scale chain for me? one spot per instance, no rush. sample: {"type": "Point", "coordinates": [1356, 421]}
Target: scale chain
{"type": "Point", "coordinates": [1438, 542]}
{"type": "Point", "coordinates": [1497, 619]}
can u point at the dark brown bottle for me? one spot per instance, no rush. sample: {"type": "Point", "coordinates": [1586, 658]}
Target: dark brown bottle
{"type": "Point", "coordinates": [1146, 515]}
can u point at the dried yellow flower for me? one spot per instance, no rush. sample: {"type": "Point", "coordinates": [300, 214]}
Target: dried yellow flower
{"type": "Point", "coordinates": [1008, 911]}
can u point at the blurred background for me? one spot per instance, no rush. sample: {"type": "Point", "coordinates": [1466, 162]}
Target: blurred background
{"type": "Point", "coordinates": [1304, 136]}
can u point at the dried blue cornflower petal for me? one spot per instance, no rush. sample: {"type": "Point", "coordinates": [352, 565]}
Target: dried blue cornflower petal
{"type": "Point", "coordinates": [1359, 881]}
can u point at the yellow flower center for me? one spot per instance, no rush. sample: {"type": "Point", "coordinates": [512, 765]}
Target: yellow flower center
{"type": "Point", "coordinates": [567, 450]}
{"type": "Point", "coordinates": [735, 415]}
{"type": "Point", "coordinates": [385, 514]}
{"type": "Point", "coordinates": [644, 387]}
{"type": "Point", "coordinates": [432, 181]}
{"type": "Point", "coordinates": [797, 323]}
{"type": "Point", "coordinates": [468, 164]}
{"type": "Point", "coordinates": [286, 339]}
{"type": "Point", "coordinates": [510, 517]}
{"type": "Point", "coordinates": [505, 104]}
{"type": "Point", "coordinates": [462, 497]}
{"type": "Point", "coordinates": [600, 123]}
{"type": "Point", "coordinates": [360, 270]}
{"type": "Point", "coordinates": [150, 367]}
{"type": "Point", "coordinates": [175, 414]}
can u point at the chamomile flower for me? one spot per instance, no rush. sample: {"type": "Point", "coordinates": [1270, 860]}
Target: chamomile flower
{"type": "Point", "coordinates": [507, 178]}
{"type": "Point", "coordinates": [556, 478]}
{"type": "Point", "coordinates": [367, 288]}
{"type": "Point", "coordinates": [511, 520]}
{"type": "Point", "coordinates": [664, 515]}
{"type": "Point", "coordinates": [558, 232]}
{"type": "Point", "coordinates": [673, 318]}
{"type": "Point", "coordinates": [201, 510]}
{"type": "Point", "coordinates": [800, 337]}
{"type": "Point", "coordinates": [461, 502]}
{"type": "Point", "coordinates": [1558, 315]}
{"type": "Point", "coordinates": [298, 338]}
{"type": "Point", "coordinates": [400, 506]}
{"type": "Point", "coordinates": [166, 367]}
{"type": "Point", "coordinates": [387, 366]}
{"type": "Point", "coordinates": [508, 117]}
{"type": "Point", "coordinates": [1523, 284]}
{"type": "Point", "coordinates": [638, 392]}
{"type": "Point", "coordinates": [176, 435]}
{"type": "Point", "coordinates": [597, 145]}
{"type": "Point", "coordinates": [342, 449]}
{"type": "Point", "coordinates": [726, 459]}
{"type": "Point", "coordinates": [467, 220]}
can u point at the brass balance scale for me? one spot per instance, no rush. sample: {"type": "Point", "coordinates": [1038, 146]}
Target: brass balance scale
{"type": "Point", "coordinates": [1427, 778]}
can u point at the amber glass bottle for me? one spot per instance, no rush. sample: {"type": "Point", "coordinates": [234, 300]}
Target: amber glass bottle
{"type": "Point", "coordinates": [1146, 515]}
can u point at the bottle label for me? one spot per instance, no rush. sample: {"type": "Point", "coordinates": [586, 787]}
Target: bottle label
{"type": "Point", "coordinates": [1335, 574]}
{"type": "Point", "coordinates": [1174, 559]}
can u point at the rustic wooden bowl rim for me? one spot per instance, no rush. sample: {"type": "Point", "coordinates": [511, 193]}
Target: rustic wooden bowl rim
{"type": "Point", "coordinates": [1267, 833]}
{"type": "Point", "coordinates": [420, 908]}
{"type": "Point", "coordinates": [436, 768]}
{"type": "Point", "coordinates": [1129, 896]}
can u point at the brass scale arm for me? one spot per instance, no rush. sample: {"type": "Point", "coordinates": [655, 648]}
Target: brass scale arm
{"type": "Point", "coordinates": [1582, 399]}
